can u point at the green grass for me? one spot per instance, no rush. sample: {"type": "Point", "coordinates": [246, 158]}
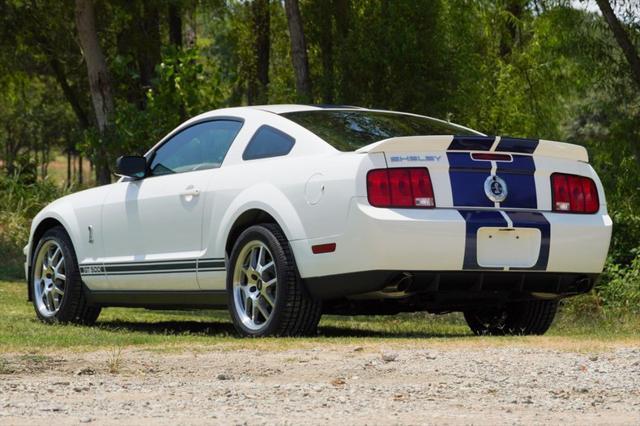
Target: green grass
{"type": "Point", "coordinates": [20, 331]}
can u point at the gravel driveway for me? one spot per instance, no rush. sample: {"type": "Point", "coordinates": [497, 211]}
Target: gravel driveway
{"type": "Point", "coordinates": [341, 384]}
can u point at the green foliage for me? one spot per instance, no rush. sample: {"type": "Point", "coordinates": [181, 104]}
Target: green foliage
{"type": "Point", "coordinates": [620, 288]}
{"type": "Point", "coordinates": [20, 200]}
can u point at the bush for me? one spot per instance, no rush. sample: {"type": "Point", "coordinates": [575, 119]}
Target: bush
{"type": "Point", "coordinates": [619, 288]}
{"type": "Point", "coordinates": [20, 201]}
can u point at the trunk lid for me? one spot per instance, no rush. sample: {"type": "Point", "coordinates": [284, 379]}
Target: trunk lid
{"type": "Point", "coordinates": [484, 171]}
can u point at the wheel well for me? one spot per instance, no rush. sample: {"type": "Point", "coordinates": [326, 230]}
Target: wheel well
{"type": "Point", "coordinates": [245, 220]}
{"type": "Point", "coordinates": [42, 227]}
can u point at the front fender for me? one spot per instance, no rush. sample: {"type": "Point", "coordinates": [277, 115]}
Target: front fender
{"type": "Point", "coordinates": [61, 211]}
{"type": "Point", "coordinates": [75, 212]}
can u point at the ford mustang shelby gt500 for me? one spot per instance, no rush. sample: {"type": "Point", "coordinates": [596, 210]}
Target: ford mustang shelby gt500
{"type": "Point", "coordinates": [284, 212]}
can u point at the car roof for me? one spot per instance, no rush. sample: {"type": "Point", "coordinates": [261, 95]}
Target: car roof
{"type": "Point", "coordinates": [285, 108]}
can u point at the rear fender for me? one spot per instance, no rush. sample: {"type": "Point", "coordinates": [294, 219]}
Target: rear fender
{"type": "Point", "coordinates": [251, 198]}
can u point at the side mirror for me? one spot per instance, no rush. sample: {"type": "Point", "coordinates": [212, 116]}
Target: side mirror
{"type": "Point", "coordinates": [133, 166]}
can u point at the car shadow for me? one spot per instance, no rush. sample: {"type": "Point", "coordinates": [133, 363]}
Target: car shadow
{"type": "Point", "coordinates": [222, 329]}
{"type": "Point", "coordinates": [171, 327]}
{"type": "Point", "coordinates": [332, 331]}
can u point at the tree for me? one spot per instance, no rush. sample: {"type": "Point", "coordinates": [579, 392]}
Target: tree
{"type": "Point", "coordinates": [175, 24]}
{"type": "Point", "coordinates": [258, 92]}
{"type": "Point", "coordinates": [513, 10]}
{"type": "Point", "coordinates": [622, 38]}
{"type": "Point", "coordinates": [99, 83]}
{"type": "Point", "coordinates": [298, 50]}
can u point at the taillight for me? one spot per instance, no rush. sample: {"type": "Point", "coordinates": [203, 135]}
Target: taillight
{"type": "Point", "coordinates": [574, 194]}
{"type": "Point", "coordinates": [400, 187]}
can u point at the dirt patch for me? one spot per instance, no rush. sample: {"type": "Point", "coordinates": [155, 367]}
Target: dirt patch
{"type": "Point", "coordinates": [338, 384]}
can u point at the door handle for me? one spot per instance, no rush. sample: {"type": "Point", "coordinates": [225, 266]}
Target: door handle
{"type": "Point", "coordinates": [190, 192]}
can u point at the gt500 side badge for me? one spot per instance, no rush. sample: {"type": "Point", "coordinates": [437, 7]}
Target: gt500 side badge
{"type": "Point", "coordinates": [91, 270]}
{"type": "Point", "coordinates": [396, 158]}
{"type": "Point", "coordinates": [495, 188]}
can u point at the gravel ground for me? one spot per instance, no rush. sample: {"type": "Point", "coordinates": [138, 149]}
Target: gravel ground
{"type": "Point", "coordinates": [337, 384]}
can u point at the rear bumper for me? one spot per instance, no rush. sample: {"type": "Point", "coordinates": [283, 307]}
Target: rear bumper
{"type": "Point", "coordinates": [445, 289]}
{"type": "Point", "coordinates": [378, 239]}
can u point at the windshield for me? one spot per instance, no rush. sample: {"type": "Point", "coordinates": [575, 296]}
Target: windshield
{"type": "Point", "coordinates": [349, 130]}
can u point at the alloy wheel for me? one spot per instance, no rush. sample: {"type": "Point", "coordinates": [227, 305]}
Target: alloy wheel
{"type": "Point", "coordinates": [255, 285]}
{"type": "Point", "coordinates": [49, 279]}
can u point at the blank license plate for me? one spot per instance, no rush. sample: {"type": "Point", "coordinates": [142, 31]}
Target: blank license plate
{"type": "Point", "coordinates": [512, 247]}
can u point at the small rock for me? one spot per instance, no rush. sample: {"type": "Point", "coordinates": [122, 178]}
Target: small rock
{"type": "Point", "coordinates": [389, 357]}
{"type": "Point", "coordinates": [86, 420]}
{"type": "Point", "coordinates": [224, 376]}
{"type": "Point", "coordinates": [87, 371]}
{"type": "Point", "coordinates": [358, 349]}
{"type": "Point", "coordinates": [338, 381]}
{"type": "Point", "coordinates": [593, 358]}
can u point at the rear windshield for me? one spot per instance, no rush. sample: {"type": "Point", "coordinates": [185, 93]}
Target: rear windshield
{"type": "Point", "coordinates": [352, 129]}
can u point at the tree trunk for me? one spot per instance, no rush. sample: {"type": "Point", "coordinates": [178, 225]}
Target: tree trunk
{"type": "Point", "coordinates": [259, 84]}
{"type": "Point", "coordinates": [80, 164]}
{"type": "Point", "coordinates": [68, 167]}
{"type": "Point", "coordinates": [191, 31]}
{"type": "Point", "coordinates": [342, 16]}
{"type": "Point", "coordinates": [298, 50]}
{"type": "Point", "coordinates": [509, 36]}
{"type": "Point", "coordinates": [326, 51]}
{"type": "Point", "coordinates": [622, 38]}
{"type": "Point", "coordinates": [175, 24]}
{"type": "Point", "coordinates": [69, 93]}
{"type": "Point", "coordinates": [148, 44]}
{"type": "Point", "coordinates": [99, 84]}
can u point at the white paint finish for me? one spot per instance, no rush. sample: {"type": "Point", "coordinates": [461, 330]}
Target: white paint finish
{"type": "Point", "coordinates": [495, 144]}
{"type": "Point", "coordinates": [561, 150]}
{"type": "Point", "coordinates": [579, 242]}
{"type": "Point", "coordinates": [76, 212]}
{"type": "Point", "coordinates": [410, 144]}
{"type": "Point", "coordinates": [212, 280]}
{"type": "Point", "coordinates": [155, 218]}
{"type": "Point", "coordinates": [165, 281]}
{"type": "Point", "coordinates": [507, 219]}
{"type": "Point", "coordinates": [314, 189]}
{"type": "Point", "coordinates": [401, 239]}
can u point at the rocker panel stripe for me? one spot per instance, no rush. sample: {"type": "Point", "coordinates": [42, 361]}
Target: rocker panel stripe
{"type": "Point", "coordinates": [152, 267]}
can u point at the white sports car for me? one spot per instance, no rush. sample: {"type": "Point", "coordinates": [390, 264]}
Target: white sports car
{"type": "Point", "coordinates": [284, 212]}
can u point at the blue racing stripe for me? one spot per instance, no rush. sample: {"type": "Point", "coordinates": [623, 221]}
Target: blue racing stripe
{"type": "Point", "coordinates": [526, 146]}
{"type": "Point", "coordinates": [467, 180]}
{"type": "Point", "coordinates": [521, 183]}
{"type": "Point", "coordinates": [474, 220]}
{"type": "Point", "coordinates": [471, 143]}
{"type": "Point", "coordinates": [536, 221]}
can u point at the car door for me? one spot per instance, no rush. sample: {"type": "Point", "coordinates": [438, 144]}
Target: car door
{"type": "Point", "coordinates": [152, 227]}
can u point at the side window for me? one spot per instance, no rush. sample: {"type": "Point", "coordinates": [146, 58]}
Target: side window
{"type": "Point", "coordinates": [268, 142]}
{"type": "Point", "coordinates": [201, 146]}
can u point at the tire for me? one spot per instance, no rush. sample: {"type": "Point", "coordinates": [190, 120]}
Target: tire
{"type": "Point", "coordinates": [521, 318]}
{"type": "Point", "coordinates": [72, 305]}
{"type": "Point", "coordinates": [289, 309]}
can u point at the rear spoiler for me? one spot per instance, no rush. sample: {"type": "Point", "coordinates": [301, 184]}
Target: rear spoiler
{"type": "Point", "coordinates": [441, 143]}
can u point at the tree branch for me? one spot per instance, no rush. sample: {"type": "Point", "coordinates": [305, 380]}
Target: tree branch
{"type": "Point", "coordinates": [622, 38]}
